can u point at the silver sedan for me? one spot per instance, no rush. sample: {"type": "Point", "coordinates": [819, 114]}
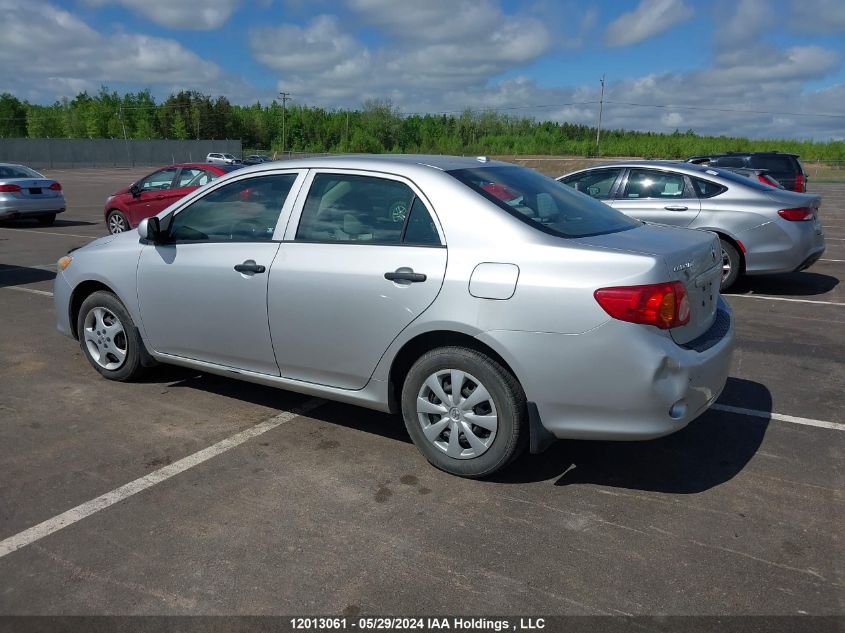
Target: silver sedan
{"type": "Point", "coordinates": [495, 308]}
{"type": "Point", "coordinates": [24, 193]}
{"type": "Point", "coordinates": [762, 229]}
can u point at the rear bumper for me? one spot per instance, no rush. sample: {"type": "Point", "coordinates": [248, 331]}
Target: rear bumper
{"type": "Point", "coordinates": [782, 247]}
{"type": "Point", "coordinates": [620, 381]}
{"type": "Point", "coordinates": [20, 207]}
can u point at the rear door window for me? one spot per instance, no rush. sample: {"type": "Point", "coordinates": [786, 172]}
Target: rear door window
{"type": "Point", "coordinates": [648, 183]}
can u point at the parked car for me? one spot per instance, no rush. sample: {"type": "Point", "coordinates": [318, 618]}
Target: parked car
{"type": "Point", "coordinates": [256, 159]}
{"type": "Point", "coordinates": [491, 326]}
{"type": "Point", "coordinates": [126, 207]}
{"type": "Point", "coordinates": [760, 175]}
{"type": "Point", "coordinates": [785, 168]}
{"type": "Point", "coordinates": [762, 229]}
{"type": "Point", "coordinates": [216, 158]}
{"type": "Point", "coordinates": [25, 193]}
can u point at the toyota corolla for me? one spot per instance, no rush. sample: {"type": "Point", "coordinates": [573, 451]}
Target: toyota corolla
{"type": "Point", "coordinates": [414, 285]}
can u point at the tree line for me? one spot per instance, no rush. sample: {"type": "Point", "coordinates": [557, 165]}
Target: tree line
{"type": "Point", "coordinates": [376, 127]}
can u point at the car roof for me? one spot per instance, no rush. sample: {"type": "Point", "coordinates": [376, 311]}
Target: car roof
{"type": "Point", "coordinates": [390, 161]}
{"type": "Point", "coordinates": [719, 155]}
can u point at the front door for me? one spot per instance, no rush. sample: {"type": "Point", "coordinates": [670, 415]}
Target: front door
{"type": "Point", "coordinates": [661, 197]}
{"type": "Point", "coordinates": [362, 258]}
{"type": "Point", "coordinates": [203, 293]}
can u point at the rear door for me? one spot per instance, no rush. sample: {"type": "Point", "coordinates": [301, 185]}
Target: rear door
{"type": "Point", "coordinates": [362, 258]}
{"type": "Point", "coordinates": [657, 196]}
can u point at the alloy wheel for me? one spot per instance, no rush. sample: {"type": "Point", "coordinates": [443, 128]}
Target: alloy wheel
{"type": "Point", "coordinates": [117, 224]}
{"type": "Point", "coordinates": [105, 338]}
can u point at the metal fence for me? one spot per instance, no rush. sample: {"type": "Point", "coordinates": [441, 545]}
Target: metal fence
{"type": "Point", "coordinates": [47, 153]}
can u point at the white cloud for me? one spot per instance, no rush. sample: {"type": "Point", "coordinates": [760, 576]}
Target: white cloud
{"type": "Point", "coordinates": [818, 16]}
{"type": "Point", "coordinates": [180, 14]}
{"type": "Point", "coordinates": [650, 18]}
{"type": "Point", "coordinates": [291, 48]}
{"type": "Point", "coordinates": [62, 55]}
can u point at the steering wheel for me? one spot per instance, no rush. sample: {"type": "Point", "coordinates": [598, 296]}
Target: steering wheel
{"type": "Point", "coordinates": [247, 228]}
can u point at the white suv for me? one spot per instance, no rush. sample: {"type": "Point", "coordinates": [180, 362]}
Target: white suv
{"type": "Point", "coordinates": [221, 159]}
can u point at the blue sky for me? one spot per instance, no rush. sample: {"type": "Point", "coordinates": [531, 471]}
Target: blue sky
{"type": "Point", "coordinates": [744, 67]}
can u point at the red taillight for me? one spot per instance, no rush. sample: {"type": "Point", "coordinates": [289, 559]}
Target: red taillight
{"type": "Point", "coordinates": [56, 186]}
{"type": "Point", "coordinates": [663, 305]}
{"type": "Point", "coordinates": [9, 188]}
{"type": "Point", "coordinates": [800, 183]}
{"type": "Point", "coordinates": [766, 180]}
{"type": "Point", "coordinates": [798, 214]}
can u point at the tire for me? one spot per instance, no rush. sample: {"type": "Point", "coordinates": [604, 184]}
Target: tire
{"type": "Point", "coordinates": [731, 265]}
{"type": "Point", "coordinates": [494, 445]}
{"type": "Point", "coordinates": [46, 220]}
{"type": "Point", "coordinates": [108, 337]}
{"type": "Point", "coordinates": [116, 222]}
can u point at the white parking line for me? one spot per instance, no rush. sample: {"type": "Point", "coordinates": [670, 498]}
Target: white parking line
{"type": "Point", "coordinates": [827, 303]}
{"type": "Point", "coordinates": [780, 417]}
{"type": "Point", "coordinates": [32, 290]}
{"type": "Point", "coordinates": [89, 237]}
{"type": "Point", "coordinates": [37, 532]}
{"type": "Point", "coordinates": [832, 260]}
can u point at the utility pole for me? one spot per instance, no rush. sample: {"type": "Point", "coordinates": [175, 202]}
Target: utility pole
{"type": "Point", "coordinates": [285, 97]}
{"type": "Point", "coordinates": [601, 106]}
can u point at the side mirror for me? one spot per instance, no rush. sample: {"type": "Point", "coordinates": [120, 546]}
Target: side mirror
{"type": "Point", "coordinates": [135, 190]}
{"type": "Point", "coordinates": [150, 229]}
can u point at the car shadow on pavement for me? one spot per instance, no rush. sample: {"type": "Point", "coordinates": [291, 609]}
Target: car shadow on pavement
{"type": "Point", "coordinates": [22, 275]}
{"type": "Point", "coordinates": [801, 284]}
{"type": "Point", "coordinates": [29, 223]}
{"type": "Point", "coordinates": [710, 451]}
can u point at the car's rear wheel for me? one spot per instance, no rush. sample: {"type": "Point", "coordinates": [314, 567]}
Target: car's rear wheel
{"type": "Point", "coordinates": [46, 220]}
{"type": "Point", "coordinates": [731, 264]}
{"type": "Point", "coordinates": [117, 222]}
{"type": "Point", "coordinates": [109, 338]}
{"type": "Point", "coordinates": [465, 412]}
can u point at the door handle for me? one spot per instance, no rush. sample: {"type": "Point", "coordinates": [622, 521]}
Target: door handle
{"type": "Point", "coordinates": [405, 275]}
{"type": "Point", "coordinates": [249, 266]}
{"type": "Point", "coordinates": [676, 207]}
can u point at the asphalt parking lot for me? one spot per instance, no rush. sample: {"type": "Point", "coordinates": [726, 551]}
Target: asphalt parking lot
{"type": "Point", "coordinates": [335, 512]}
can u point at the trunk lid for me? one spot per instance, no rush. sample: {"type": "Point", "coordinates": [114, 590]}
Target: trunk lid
{"type": "Point", "coordinates": [33, 188]}
{"type": "Point", "coordinates": [692, 257]}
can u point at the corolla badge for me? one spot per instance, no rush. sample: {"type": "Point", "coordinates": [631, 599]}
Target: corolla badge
{"type": "Point", "coordinates": [681, 267]}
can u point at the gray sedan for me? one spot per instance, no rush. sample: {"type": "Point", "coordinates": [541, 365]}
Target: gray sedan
{"type": "Point", "coordinates": [495, 308]}
{"type": "Point", "coordinates": [24, 193]}
{"type": "Point", "coordinates": [762, 229]}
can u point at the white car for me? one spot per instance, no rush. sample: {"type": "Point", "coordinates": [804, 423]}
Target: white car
{"type": "Point", "coordinates": [217, 158]}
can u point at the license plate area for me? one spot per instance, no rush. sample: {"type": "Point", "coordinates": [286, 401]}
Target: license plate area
{"type": "Point", "coordinates": [35, 191]}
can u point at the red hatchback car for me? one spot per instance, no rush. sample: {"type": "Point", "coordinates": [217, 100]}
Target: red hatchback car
{"type": "Point", "coordinates": [155, 192]}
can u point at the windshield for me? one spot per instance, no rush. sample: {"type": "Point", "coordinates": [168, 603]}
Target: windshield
{"type": "Point", "coordinates": [18, 171]}
{"type": "Point", "coordinates": [544, 203]}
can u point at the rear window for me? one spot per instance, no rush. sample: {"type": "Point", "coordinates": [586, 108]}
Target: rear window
{"type": "Point", "coordinates": [18, 171]}
{"type": "Point", "coordinates": [739, 179]}
{"type": "Point", "coordinates": [729, 161]}
{"type": "Point", "coordinates": [543, 203]}
{"type": "Point", "coordinates": [775, 164]}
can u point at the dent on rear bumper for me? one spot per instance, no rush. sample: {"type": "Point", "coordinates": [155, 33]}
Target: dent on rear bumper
{"type": "Point", "coordinates": [616, 382]}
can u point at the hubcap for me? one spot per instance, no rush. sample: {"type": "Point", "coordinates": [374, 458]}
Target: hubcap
{"type": "Point", "coordinates": [105, 338]}
{"type": "Point", "coordinates": [457, 414]}
{"type": "Point", "coordinates": [726, 265]}
{"type": "Point", "coordinates": [116, 223]}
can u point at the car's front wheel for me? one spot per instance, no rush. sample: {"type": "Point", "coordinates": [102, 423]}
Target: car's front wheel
{"type": "Point", "coordinates": [109, 338]}
{"type": "Point", "coordinates": [117, 222]}
{"type": "Point", "coordinates": [465, 412]}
